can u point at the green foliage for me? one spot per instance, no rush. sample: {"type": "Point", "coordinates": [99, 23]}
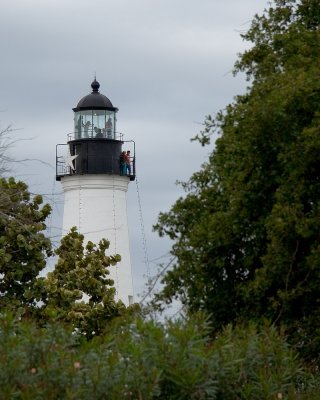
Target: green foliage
{"type": "Point", "coordinates": [44, 351]}
{"type": "Point", "coordinates": [246, 235]}
{"type": "Point", "coordinates": [145, 360]}
{"type": "Point", "coordinates": [78, 290]}
{"type": "Point", "coordinates": [23, 244]}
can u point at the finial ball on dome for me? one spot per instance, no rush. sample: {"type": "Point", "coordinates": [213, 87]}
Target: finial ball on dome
{"type": "Point", "coordinates": [95, 85]}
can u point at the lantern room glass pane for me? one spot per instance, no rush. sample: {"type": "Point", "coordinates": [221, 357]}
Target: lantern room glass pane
{"type": "Point", "coordinates": [114, 124]}
{"type": "Point", "coordinates": [98, 121]}
{"type": "Point", "coordinates": [110, 125]}
{"type": "Point", "coordinates": [86, 124]}
{"type": "Point", "coordinates": [77, 125]}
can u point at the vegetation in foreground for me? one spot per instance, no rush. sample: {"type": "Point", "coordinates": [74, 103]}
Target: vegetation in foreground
{"type": "Point", "coordinates": [145, 360]}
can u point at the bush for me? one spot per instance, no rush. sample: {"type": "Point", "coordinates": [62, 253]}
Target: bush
{"type": "Point", "coordinates": [146, 360]}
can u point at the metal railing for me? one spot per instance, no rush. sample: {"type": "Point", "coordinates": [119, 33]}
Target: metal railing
{"type": "Point", "coordinates": [91, 134]}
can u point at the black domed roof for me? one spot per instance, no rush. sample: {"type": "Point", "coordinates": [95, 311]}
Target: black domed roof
{"type": "Point", "coordinates": [95, 100]}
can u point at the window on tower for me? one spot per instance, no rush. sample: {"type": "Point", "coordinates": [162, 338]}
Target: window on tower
{"type": "Point", "coordinates": [92, 124]}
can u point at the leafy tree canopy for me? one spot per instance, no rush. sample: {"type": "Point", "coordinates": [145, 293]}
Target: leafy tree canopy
{"type": "Point", "coordinates": [246, 235]}
{"type": "Point", "coordinates": [23, 244]}
{"type": "Point", "coordinates": [77, 292]}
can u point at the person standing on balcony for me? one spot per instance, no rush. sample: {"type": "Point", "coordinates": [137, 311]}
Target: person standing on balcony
{"type": "Point", "coordinates": [123, 164]}
{"type": "Point", "coordinates": [128, 163]}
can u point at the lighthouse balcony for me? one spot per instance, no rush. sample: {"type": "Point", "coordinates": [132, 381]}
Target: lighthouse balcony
{"type": "Point", "coordinates": [93, 157]}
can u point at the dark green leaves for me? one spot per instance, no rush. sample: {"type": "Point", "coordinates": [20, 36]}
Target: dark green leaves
{"type": "Point", "coordinates": [23, 244]}
{"type": "Point", "coordinates": [246, 235]}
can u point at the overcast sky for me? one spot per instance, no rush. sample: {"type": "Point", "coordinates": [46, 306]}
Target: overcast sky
{"type": "Point", "coordinates": [164, 63]}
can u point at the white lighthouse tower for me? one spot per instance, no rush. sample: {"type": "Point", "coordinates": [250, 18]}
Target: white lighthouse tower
{"type": "Point", "coordinates": [95, 177]}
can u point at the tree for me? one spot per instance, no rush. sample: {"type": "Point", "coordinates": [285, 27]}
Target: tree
{"type": "Point", "coordinates": [78, 290]}
{"type": "Point", "coordinates": [6, 142]}
{"type": "Point", "coordinates": [23, 244]}
{"type": "Point", "coordinates": [246, 235]}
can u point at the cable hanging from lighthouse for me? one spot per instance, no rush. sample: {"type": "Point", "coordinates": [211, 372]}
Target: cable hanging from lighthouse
{"type": "Point", "coordinates": [143, 234]}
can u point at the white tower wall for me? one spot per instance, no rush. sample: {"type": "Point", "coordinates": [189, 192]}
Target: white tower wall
{"type": "Point", "coordinates": [97, 206]}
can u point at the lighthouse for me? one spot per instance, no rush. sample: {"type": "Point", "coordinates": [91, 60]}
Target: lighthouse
{"type": "Point", "coordinates": [95, 167]}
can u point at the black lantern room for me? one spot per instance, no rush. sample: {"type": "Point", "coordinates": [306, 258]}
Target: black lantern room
{"type": "Point", "coordinates": [95, 146]}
